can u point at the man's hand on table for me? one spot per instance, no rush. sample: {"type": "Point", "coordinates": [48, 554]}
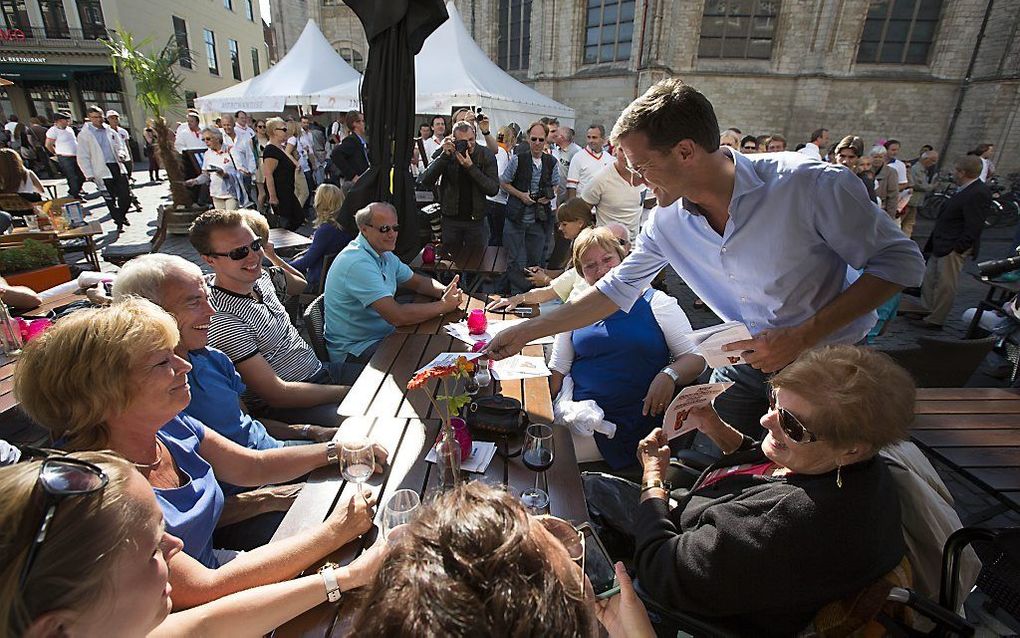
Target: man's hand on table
{"type": "Point", "coordinates": [509, 342]}
{"type": "Point", "coordinates": [506, 304]}
{"type": "Point", "coordinates": [772, 350]}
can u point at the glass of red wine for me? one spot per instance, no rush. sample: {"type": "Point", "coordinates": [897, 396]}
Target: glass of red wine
{"type": "Point", "coordinates": [538, 456]}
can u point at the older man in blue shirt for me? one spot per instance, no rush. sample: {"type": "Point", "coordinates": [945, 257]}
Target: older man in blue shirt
{"type": "Point", "coordinates": [360, 287]}
{"type": "Point", "coordinates": [767, 241]}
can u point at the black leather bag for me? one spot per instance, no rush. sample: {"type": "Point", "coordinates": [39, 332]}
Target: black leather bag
{"type": "Point", "coordinates": [498, 415]}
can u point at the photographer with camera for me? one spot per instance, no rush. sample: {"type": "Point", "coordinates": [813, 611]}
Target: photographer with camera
{"type": "Point", "coordinates": [468, 173]}
{"type": "Point", "coordinates": [530, 178]}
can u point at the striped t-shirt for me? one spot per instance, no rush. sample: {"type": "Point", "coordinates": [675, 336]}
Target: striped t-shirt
{"type": "Point", "coordinates": [247, 325]}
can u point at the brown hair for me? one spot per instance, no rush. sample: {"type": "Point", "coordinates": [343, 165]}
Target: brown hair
{"type": "Point", "coordinates": [83, 542]}
{"type": "Point", "coordinates": [211, 220]}
{"type": "Point", "coordinates": [545, 127]}
{"type": "Point", "coordinates": [470, 565]}
{"type": "Point", "coordinates": [575, 210]}
{"type": "Point", "coordinates": [969, 165]}
{"type": "Point", "coordinates": [12, 170]}
{"type": "Point", "coordinates": [859, 395]}
{"type": "Point", "coordinates": [668, 112]}
{"type": "Point", "coordinates": [350, 118]}
{"type": "Point", "coordinates": [71, 376]}
{"type": "Point", "coordinates": [853, 143]}
{"type": "Point", "coordinates": [601, 237]}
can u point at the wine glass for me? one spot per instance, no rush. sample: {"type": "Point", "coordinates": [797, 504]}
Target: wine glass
{"type": "Point", "coordinates": [537, 456]}
{"type": "Point", "coordinates": [357, 462]}
{"type": "Point", "coordinates": [399, 510]}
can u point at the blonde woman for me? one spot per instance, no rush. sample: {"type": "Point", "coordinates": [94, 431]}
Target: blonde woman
{"type": "Point", "coordinates": [279, 169]}
{"type": "Point", "coordinates": [329, 238]}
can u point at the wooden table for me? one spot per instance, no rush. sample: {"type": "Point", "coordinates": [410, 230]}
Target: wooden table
{"type": "Point", "coordinates": [999, 292]}
{"type": "Point", "coordinates": [284, 239]}
{"type": "Point", "coordinates": [975, 431]}
{"type": "Point", "coordinates": [380, 407]}
{"type": "Point", "coordinates": [87, 232]}
{"type": "Point", "coordinates": [471, 302]}
{"type": "Point", "coordinates": [489, 261]}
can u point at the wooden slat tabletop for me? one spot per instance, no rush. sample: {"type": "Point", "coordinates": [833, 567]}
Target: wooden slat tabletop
{"type": "Point", "coordinates": [491, 260]}
{"type": "Point", "coordinates": [283, 239]}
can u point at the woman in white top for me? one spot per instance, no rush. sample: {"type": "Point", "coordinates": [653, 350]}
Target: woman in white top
{"type": "Point", "coordinates": [217, 169]}
{"type": "Point", "coordinates": [15, 178]}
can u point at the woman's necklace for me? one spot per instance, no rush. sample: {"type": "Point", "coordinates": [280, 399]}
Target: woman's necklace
{"type": "Point", "coordinates": [154, 464]}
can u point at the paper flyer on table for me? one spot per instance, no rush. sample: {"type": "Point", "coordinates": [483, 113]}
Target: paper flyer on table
{"type": "Point", "coordinates": [688, 399]}
{"type": "Point", "coordinates": [460, 331]}
{"type": "Point", "coordinates": [711, 347]}
{"type": "Point", "coordinates": [448, 359]}
{"type": "Point", "coordinates": [520, 367]}
{"type": "Point", "coordinates": [481, 455]}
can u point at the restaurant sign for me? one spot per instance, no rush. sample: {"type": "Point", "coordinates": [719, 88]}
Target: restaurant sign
{"type": "Point", "coordinates": [11, 34]}
{"type": "Point", "coordinates": [22, 59]}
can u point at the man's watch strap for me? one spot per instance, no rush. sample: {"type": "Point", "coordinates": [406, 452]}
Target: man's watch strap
{"type": "Point", "coordinates": [655, 484]}
{"type": "Point", "coordinates": [671, 373]}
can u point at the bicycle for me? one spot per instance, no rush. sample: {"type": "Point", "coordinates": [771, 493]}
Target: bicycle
{"type": "Point", "coordinates": [936, 200]}
{"type": "Point", "coordinates": [1005, 208]}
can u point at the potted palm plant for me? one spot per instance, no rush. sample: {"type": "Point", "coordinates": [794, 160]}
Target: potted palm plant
{"type": "Point", "coordinates": [34, 264]}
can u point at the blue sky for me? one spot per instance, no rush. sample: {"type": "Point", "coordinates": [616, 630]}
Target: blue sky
{"type": "Point", "coordinates": [264, 5]}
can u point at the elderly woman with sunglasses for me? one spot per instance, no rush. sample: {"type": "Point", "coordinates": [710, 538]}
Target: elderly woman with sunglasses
{"type": "Point", "coordinates": [219, 171]}
{"type": "Point", "coordinates": [102, 566]}
{"type": "Point", "coordinates": [109, 379]}
{"type": "Point", "coordinates": [777, 529]}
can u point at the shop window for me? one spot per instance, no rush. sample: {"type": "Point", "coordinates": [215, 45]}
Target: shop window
{"type": "Point", "coordinates": [235, 59]}
{"type": "Point", "coordinates": [210, 51]}
{"type": "Point", "coordinates": [54, 19]}
{"type": "Point", "coordinates": [738, 29]}
{"type": "Point", "coordinates": [609, 31]}
{"type": "Point", "coordinates": [513, 47]}
{"type": "Point", "coordinates": [181, 37]}
{"type": "Point", "coordinates": [899, 31]}
{"type": "Point", "coordinates": [15, 16]}
{"type": "Point", "coordinates": [189, 99]}
{"type": "Point", "coordinates": [47, 101]}
{"type": "Point", "coordinates": [92, 23]}
{"type": "Point", "coordinates": [255, 66]}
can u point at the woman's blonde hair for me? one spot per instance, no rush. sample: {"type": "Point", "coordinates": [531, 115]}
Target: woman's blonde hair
{"type": "Point", "coordinates": [70, 377]}
{"type": "Point", "coordinates": [589, 237]}
{"type": "Point", "coordinates": [327, 203]}
{"type": "Point", "coordinates": [273, 123]}
{"type": "Point", "coordinates": [859, 395]}
{"type": "Point", "coordinates": [293, 128]}
{"type": "Point", "coordinates": [72, 569]}
{"type": "Point", "coordinates": [257, 222]}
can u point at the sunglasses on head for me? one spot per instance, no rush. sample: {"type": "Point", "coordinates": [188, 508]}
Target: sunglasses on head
{"type": "Point", "coordinates": [385, 229]}
{"type": "Point", "coordinates": [538, 139]}
{"type": "Point", "coordinates": [241, 252]}
{"type": "Point", "coordinates": [60, 478]}
{"type": "Point", "coordinates": [790, 424]}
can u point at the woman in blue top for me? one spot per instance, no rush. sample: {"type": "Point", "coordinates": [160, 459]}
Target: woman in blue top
{"type": "Point", "coordinates": [329, 237]}
{"type": "Point", "coordinates": [109, 378]}
{"type": "Point", "coordinates": [630, 362]}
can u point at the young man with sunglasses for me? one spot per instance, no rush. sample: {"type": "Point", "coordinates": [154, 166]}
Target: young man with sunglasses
{"type": "Point", "coordinates": [286, 381]}
{"type": "Point", "coordinates": [361, 284]}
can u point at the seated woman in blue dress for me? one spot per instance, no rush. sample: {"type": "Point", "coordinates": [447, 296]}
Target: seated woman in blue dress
{"type": "Point", "coordinates": [629, 363]}
{"type": "Point", "coordinates": [329, 237]}
{"type": "Point", "coordinates": [109, 379]}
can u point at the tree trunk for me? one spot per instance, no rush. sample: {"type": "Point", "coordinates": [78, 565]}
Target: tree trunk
{"type": "Point", "coordinates": [170, 160]}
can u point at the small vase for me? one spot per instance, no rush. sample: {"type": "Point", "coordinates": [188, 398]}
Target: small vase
{"type": "Point", "coordinates": [448, 457]}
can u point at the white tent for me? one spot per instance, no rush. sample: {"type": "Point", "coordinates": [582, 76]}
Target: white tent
{"type": "Point", "coordinates": [452, 70]}
{"type": "Point", "coordinates": [309, 67]}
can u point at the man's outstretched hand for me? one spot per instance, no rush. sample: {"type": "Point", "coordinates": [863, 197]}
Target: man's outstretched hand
{"type": "Point", "coordinates": [508, 342]}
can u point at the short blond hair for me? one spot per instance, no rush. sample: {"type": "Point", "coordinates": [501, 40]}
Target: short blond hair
{"type": "Point", "coordinates": [69, 376]}
{"type": "Point", "coordinates": [589, 237]}
{"type": "Point", "coordinates": [859, 395]}
{"type": "Point", "coordinates": [257, 222]}
{"type": "Point", "coordinates": [327, 203]}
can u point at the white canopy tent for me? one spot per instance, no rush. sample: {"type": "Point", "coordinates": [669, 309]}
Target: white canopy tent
{"type": "Point", "coordinates": [309, 67]}
{"type": "Point", "coordinates": [452, 71]}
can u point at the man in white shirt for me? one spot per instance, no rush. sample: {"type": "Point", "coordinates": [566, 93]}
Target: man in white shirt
{"type": "Point", "coordinates": [242, 125]}
{"type": "Point", "coordinates": [188, 142]}
{"type": "Point", "coordinates": [241, 150]}
{"type": "Point", "coordinates": [564, 152]}
{"type": "Point", "coordinates": [616, 193]}
{"type": "Point", "coordinates": [586, 165]}
{"type": "Point", "coordinates": [113, 119]}
{"type": "Point", "coordinates": [435, 142]}
{"type": "Point", "coordinates": [819, 141]}
{"type": "Point", "coordinates": [61, 142]}
{"type": "Point", "coordinates": [101, 152]}
{"type": "Point", "coordinates": [892, 150]}
{"type": "Point", "coordinates": [12, 123]}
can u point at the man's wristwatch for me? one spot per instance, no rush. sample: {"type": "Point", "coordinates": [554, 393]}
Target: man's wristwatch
{"type": "Point", "coordinates": [328, 573]}
{"type": "Point", "coordinates": [671, 373]}
{"type": "Point", "coordinates": [331, 455]}
{"type": "Point", "coordinates": [483, 132]}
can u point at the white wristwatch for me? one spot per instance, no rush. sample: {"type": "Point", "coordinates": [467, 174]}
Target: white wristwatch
{"type": "Point", "coordinates": [671, 373]}
{"type": "Point", "coordinates": [328, 572]}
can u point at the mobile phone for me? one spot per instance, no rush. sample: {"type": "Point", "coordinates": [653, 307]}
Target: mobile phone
{"type": "Point", "coordinates": [523, 311]}
{"type": "Point", "coordinates": [597, 565]}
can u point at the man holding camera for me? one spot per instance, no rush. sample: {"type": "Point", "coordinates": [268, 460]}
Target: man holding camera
{"type": "Point", "coordinates": [530, 178]}
{"type": "Point", "coordinates": [468, 173]}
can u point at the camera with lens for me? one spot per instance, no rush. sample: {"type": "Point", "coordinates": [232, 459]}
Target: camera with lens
{"type": "Point", "coordinates": [460, 146]}
{"type": "Point", "coordinates": [996, 267]}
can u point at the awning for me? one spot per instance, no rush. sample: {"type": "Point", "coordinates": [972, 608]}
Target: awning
{"type": "Point", "coordinates": [21, 72]}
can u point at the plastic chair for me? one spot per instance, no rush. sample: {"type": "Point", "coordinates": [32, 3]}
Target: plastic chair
{"type": "Point", "coordinates": [940, 362]}
{"type": "Point", "coordinates": [315, 327]}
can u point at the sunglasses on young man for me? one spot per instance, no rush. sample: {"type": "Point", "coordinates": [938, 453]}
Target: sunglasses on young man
{"type": "Point", "coordinates": [538, 139]}
{"type": "Point", "coordinates": [790, 424]}
{"type": "Point", "coordinates": [241, 252]}
{"type": "Point", "coordinates": [61, 478]}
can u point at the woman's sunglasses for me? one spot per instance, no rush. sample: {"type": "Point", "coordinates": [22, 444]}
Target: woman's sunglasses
{"type": "Point", "coordinates": [790, 424]}
{"type": "Point", "coordinates": [60, 478]}
{"type": "Point", "coordinates": [241, 252]}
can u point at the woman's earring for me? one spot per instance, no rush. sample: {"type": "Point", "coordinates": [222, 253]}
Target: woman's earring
{"type": "Point", "coordinates": [839, 476]}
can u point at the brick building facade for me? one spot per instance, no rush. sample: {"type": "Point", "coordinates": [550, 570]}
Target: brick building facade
{"type": "Point", "coordinates": [874, 68]}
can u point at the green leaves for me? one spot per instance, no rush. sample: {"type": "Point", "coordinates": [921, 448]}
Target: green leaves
{"type": "Point", "coordinates": [157, 83]}
{"type": "Point", "coordinates": [30, 255]}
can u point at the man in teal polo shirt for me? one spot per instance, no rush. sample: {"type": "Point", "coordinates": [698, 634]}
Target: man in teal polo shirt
{"type": "Point", "coordinates": [360, 308]}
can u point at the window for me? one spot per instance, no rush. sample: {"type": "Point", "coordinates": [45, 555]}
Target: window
{"type": "Point", "coordinates": [181, 36]}
{"type": "Point", "coordinates": [352, 57]}
{"type": "Point", "coordinates": [609, 30]}
{"type": "Point", "coordinates": [235, 59]}
{"type": "Point", "coordinates": [189, 99]}
{"type": "Point", "coordinates": [210, 51]}
{"type": "Point", "coordinates": [513, 48]}
{"type": "Point", "coordinates": [331, 3]}
{"type": "Point", "coordinates": [899, 31]}
{"type": "Point", "coordinates": [54, 19]}
{"type": "Point", "coordinates": [15, 16]}
{"type": "Point", "coordinates": [228, 5]}
{"type": "Point", "coordinates": [249, 10]}
{"type": "Point", "coordinates": [92, 23]}
{"type": "Point", "coordinates": [738, 29]}
{"type": "Point", "coordinates": [255, 67]}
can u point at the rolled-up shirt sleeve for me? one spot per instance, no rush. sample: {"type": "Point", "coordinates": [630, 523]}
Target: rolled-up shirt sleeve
{"type": "Point", "coordinates": [860, 233]}
{"type": "Point", "coordinates": [625, 283]}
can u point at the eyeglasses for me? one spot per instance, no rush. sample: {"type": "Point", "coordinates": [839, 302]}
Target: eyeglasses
{"type": "Point", "coordinates": [241, 252]}
{"type": "Point", "coordinates": [538, 139]}
{"type": "Point", "coordinates": [260, 126]}
{"type": "Point", "coordinates": [570, 537]}
{"type": "Point", "coordinates": [750, 148]}
{"type": "Point", "coordinates": [790, 424]}
{"type": "Point", "coordinates": [385, 229]}
{"type": "Point", "coordinates": [61, 478]}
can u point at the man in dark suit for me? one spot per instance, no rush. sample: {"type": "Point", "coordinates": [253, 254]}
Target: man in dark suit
{"type": "Point", "coordinates": [955, 237]}
{"type": "Point", "coordinates": [350, 157]}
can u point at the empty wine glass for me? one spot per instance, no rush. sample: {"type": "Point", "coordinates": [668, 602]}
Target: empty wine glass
{"type": "Point", "coordinates": [537, 456]}
{"type": "Point", "coordinates": [357, 462]}
{"type": "Point", "coordinates": [400, 509]}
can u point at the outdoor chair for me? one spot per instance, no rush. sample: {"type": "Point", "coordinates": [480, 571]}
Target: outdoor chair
{"type": "Point", "coordinates": [315, 326]}
{"type": "Point", "coordinates": [941, 362]}
{"type": "Point", "coordinates": [310, 296]}
{"type": "Point", "coordinates": [16, 205]}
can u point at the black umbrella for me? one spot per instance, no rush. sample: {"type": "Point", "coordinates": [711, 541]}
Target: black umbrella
{"type": "Point", "coordinates": [396, 31]}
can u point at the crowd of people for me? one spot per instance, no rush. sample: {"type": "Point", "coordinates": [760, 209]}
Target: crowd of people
{"type": "Point", "coordinates": [185, 414]}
